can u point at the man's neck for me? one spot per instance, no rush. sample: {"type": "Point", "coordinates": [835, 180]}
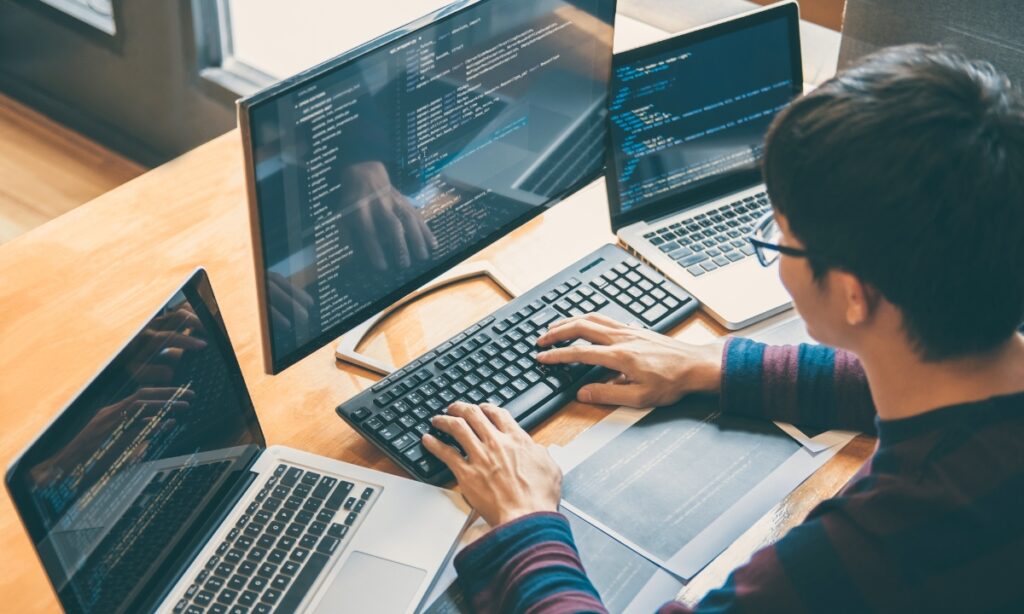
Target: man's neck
{"type": "Point", "coordinates": [903, 386]}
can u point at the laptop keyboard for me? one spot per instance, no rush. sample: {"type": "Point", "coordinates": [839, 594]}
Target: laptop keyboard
{"type": "Point", "coordinates": [493, 360]}
{"type": "Point", "coordinates": [273, 555]}
{"type": "Point", "coordinates": [714, 239]}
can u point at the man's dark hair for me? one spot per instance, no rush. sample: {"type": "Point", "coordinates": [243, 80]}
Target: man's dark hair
{"type": "Point", "coordinates": [907, 170]}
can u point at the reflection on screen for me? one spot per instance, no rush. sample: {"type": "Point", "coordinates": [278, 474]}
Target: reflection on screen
{"type": "Point", "coordinates": [690, 116]}
{"type": "Point", "coordinates": [375, 176]}
{"type": "Point", "coordinates": [153, 445]}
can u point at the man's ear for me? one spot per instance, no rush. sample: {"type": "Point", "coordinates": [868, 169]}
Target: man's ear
{"type": "Point", "coordinates": [860, 299]}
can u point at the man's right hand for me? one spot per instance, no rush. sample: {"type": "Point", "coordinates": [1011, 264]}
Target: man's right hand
{"type": "Point", "coordinates": [654, 370]}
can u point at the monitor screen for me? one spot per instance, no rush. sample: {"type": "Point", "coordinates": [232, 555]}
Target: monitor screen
{"type": "Point", "coordinates": [379, 170]}
{"type": "Point", "coordinates": [120, 488]}
{"type": "Point", "coordinates": [693, 110]}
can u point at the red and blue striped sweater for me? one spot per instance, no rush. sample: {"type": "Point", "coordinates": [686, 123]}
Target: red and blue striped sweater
{"type": "Point", "coordinates": [933, 522]}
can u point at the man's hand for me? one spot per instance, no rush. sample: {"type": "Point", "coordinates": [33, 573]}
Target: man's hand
{"type": "Point", "coordinates": [655, 370]}
{"type": "Point", "coordinates": [505, 475]}
{"type": "Point", "coordinates": [386, 220]}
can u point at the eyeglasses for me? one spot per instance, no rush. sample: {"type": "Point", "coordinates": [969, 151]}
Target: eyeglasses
{"type": "Point", "coordinates": [766, 237]}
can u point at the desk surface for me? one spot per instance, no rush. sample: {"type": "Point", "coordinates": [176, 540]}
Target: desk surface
{"type": "Point", "coordinates": [76, 288]}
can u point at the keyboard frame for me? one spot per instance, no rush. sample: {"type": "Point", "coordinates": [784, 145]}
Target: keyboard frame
{"type": "Point", "coordinates": [610, 254]}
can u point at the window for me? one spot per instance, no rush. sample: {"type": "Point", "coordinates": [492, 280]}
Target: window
{"type": "Point", "coordinates": [262, 41]}
{"type": "Point", "coordinates": [97, 13]}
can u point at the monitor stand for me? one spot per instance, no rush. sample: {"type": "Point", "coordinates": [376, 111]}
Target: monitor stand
{"type": "Point", "coordinates": [346, 348]}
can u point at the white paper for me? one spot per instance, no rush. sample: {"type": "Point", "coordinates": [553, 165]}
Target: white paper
{"type": "Point", "coordinates": [723, 531]}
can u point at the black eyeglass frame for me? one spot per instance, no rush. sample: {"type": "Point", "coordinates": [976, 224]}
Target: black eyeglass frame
{"type": "Point", "coordinates": [761, 247]}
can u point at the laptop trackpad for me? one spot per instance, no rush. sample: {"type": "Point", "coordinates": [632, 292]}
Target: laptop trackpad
{"type": "Point", "coordinates": [371, 584]}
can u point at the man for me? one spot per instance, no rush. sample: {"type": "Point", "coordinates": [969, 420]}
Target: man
{"type": "Point", "coordinates": [898, 194]}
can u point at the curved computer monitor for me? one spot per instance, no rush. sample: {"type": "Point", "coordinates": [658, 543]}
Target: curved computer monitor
{"type": "Point", "coordinates": [376, 171]}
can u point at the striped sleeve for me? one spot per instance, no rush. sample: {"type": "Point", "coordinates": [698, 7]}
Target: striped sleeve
{"type": "Point", "coordinates": [531, 566]}
{"type": "Point", "coordinates": [807, 385]}
{"type": "Point", "coordinates": [528, 565]}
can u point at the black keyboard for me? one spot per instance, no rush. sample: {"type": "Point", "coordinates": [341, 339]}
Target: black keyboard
{"type": "Point", "coordinates": [493, 360]}
{"type": "Point", "coordinates": [714, 239]}
{"type": "Point", "coordinates": [270, 559]}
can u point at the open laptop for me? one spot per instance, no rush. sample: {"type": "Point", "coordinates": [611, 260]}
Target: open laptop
{"type": "Point", "coordinates": [154, 490]}
{"type": "Point", "coordinates": [687, 120]}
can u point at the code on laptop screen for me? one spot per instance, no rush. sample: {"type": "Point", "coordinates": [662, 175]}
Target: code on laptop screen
{"type": "Point", "coordinates": [689, 116]}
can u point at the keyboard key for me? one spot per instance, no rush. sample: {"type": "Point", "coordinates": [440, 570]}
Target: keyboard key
{"type": "Point", "coordinates": [214, 584]}
{"type": "Point", "coordinates": [390, 432]}
{"type": "Point", "coordinates": [414, 453]}
{"type": "Point", "coordinates": [317, 528]}
{"type": "Point", "coordinates": [338, 496]}
{"type": "Point", "coordinates": [654, 314]}
{"type": "Point", "coordinates": [247, 598]}
{"type": "Point", "coordinates": [272, 595]}
{"type": "Point", "coordinates": [291, 477]}
{"type": "Point", "coordinates": [290, 567]}
{"type": "Point", "coordinates": [203, 598]}
{"type": "Point", "coordinates": [545, 317]}
{"type": "Point", "coordinates": [692, 260]}
{"type": "Point", "coordinates": [257, 583]}
{"type": "Point", "coordinates": [276, 556]}
{"type": "Point", "coordinates": [237, 582]}
{"type": "Point", "coordinates": [428, 466]}
{"type": "Point", "coordinates": [227, 596]}
{"type": "Point", "coordinates": [530, 398]}
{"type": "Point", "coordinates": [696, 270]}
{"type": "Point", "coordinates": [247, 568]}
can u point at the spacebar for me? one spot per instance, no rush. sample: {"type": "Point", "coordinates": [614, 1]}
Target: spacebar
{"type": "Point", "coordinates": [530, 398]}
{"type": "Point", "coordinates": [314, 565]}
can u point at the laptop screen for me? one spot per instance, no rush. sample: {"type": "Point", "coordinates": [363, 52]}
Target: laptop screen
{"type": "Point", "coordinates": [118, 490]}
{"type": "Point", "coordinates": [690, 113]}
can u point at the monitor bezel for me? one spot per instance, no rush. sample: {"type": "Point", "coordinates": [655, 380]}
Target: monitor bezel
{"type": "Point", "coordinates": [197, 287]}
{"type": "Point", "coordinates": [245, 107]}
{"type": "Point", "coordinates": [728, 182]}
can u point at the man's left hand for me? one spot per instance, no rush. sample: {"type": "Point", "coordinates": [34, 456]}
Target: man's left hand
{"type": "Point", "coordinates": [504, 475]}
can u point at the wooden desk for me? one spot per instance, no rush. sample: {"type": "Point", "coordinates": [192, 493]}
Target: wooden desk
{"type": "Point", "coordinates": [76, 288]}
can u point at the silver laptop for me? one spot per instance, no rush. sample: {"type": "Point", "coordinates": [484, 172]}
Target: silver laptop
{"type": "Point", "coordinates": [154, 490]}
{"type": "Point", "coordinates": [687, 119]}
